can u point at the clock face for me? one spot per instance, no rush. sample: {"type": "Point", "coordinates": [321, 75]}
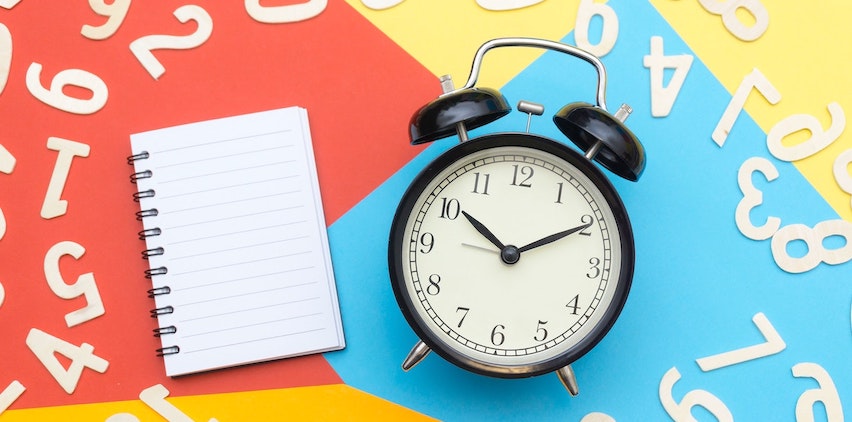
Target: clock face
{"type": "Point", "coordinates": [511, 255]}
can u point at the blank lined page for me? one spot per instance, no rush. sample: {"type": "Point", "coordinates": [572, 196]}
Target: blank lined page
{"type": "Point", "coordinates": [243, 238]}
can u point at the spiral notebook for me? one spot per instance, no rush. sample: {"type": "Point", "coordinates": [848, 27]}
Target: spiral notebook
{"type": "Point", "coordinates": [236, 241]}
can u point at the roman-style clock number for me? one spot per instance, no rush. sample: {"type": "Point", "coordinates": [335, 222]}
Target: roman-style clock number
{"type": "Point", "coordinates": [511, 254]}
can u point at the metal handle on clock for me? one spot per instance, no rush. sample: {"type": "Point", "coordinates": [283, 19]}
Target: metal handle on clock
{"type": "Point", "coordinates": [546, 44]}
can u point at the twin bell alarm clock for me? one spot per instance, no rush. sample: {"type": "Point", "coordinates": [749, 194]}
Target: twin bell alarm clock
{"type": "Point", "coordinates": [511, 254]}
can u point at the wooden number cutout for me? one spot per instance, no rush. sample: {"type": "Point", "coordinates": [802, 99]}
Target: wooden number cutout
{"type": "Point", "coordinates": [53, 206]}
{"type": "Point", "coordinates": [682, 411]}
{"type": "Point", "coordinates": [588, 9]}
{"type": "Point", "coordinates": [291, 12]}
{"type": "Point", "coordinates": [115, 12]}
{"type": "Point", "coordinates": [45, 347]}
{"type": "Point", "coordinates": [10, 394]}
{"type": "Point", "coordinates": [142, 47]}
{"type": "Point", "coordinates": [841, 171]}
{"type": "Point", "coordinates": [5, 55]}
{"type": "Point", "coordinates": [817, 251]}
{"type": "Point", "coordinates": [773, 344]}
{"type": "Point", "coordinates": [663, 97]}
{"type": "Point", "coordinates": [755, 80]}
{"type": "Point", "coordinates": [753, 197]}
{"type": "Point", "coordinates": [84, 286]}
{"type": "Point", "coordinates": [818, 140]}
{"type": "Point", "coordinates": [826, 394]}
{"type": "Point", "coordinates": [54, 96]}
{"type": "Point", "coordinates": [378, 4]}
{"type": "Point", "coordinates": [500, 5]}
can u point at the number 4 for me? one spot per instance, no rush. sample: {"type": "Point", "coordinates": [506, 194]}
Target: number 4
{"type": "Point", "coordinates": [663, 97]}
{"type": "Point", "coordinates": [45, 346]}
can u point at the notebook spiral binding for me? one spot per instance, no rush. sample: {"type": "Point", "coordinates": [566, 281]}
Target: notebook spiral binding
{"type": "Point", "coordinates": [156, 251]}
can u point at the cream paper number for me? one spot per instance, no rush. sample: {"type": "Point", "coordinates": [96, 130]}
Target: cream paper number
{"type": "Point", "coordinates": [10, 394]}
{"type": "Point", "coordinates": [682, 411]}
{"type": "Point", "coordinates": [663, 97]}
{"type": "Point", "coordinates": [45, 347]}
{"type": "Point", "coordinates": [7, 164]}
{"type": "Point", "coordinates": [5, 55]}
{"type": "Point", "coordinates": [727, 9]}
{"type": "Point", "coordinates": [755, 80]}
{"type": "Point", "coordinates": [115, 12]}
{"type": "Point", "coordinates": [9, 4]}
{"type": "Point", "coordinates": [53, 206]}
{"type": "Point", "coordinates": [294, 12]}
{"type": "Point", "coordinates": [841, 171]}
{"type": "Point", "coordinates": [54, 96]}
{"type": "Point", "coordinates": [155, 398]}
{"type": "Point", "coordinates": [818, 140]}
{"type": "Point", "coordinates": [773, 344]}
{"type": "Point", "coordinates": [84, 286]}
{"type": "Point", "coordinates": [609, 33]}
{"type": "Point", "coordinates": [142, 47]}
{"type": "Point", "coordinates": [813, 238]}
{"type": "Point", "coordinates": [826, 394]}
{"type": "Point", "coordinates": [752, 197]}
{"type": "Point", "coordinates": [501, 5]}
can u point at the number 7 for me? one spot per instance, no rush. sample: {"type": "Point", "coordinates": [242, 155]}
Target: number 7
{"type": "Point", "coordinates": [755, 80]}
{"type": "Point", "coordinates": [774, 344]}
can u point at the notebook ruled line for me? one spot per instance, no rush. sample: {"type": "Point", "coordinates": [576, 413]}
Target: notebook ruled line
{"type": "Point", "coordinates": [255, 340]}
{"type": "Point", "coordinates": [219, 141]}
{"type": "Point", "coordinates": [200, 286]}
{"type": "Point", "coordinates": [216, 236]}
{"type": "Point", "coordinates": [252, 325]}
{"type": "Point", "coordinates": [217, 173]}
{"type": "Point", "coordinates": [275, 289]}
{"type": "Point", "coordinates": [256, 308]}
{"type": "Point", "coordinates": [232, 202]}
{"type": "Point", "coordinates": [253, 245]}
{"type": "Point", "coordinates": [219, 157]}
{"type": "Point", "coordinates": [239, 263]}
{"type": "Point", "coordinates": [232, 217]}
{"type": "Point", "coordinates": [219, 188]}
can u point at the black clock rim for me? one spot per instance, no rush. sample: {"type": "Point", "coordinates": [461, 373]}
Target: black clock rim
{"type": "Point", "coordinates": [397, 241]}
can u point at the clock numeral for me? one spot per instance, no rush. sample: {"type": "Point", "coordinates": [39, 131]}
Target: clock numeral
{"type": "Point", "coordinates": [574, 305]}
{"type": "Point", "coordinates": [541, 331]}
{"type": "Point", "coordinates": [485, 178]}
{"type": "Point", "coordinates": [525, 172]}
{"type": "Point", "coordinates": [595, 269]}
{"type": "Point", "coordinates": [428, 241]}
{"type": "Point", "coordinates": [559, 193]}
{"type": "Point", "coordinates": [450, 208]}
{"type": "Point", "coordinates": [497, 336]}
{"type": "Point", "coordinates": [587, 219]}
{"type": "Point", "coordinates": [464, 312]}
{"type": "Point", "coordinates": [433, 288]}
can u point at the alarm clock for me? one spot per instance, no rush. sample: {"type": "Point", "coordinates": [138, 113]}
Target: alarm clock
{"type": "Point", "coordinates": [511, 254]}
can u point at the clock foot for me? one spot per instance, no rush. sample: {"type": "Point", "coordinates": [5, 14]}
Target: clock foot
{"type": "Point", "coordinates": [416, 355]}
{"type": "Point", "coordinates": [569, 380]}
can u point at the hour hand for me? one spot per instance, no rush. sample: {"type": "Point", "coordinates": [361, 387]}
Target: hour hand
{"type": "Point", "coordinates": [483, 230]}
{"type": "Point", "coordinates": [554, 237]}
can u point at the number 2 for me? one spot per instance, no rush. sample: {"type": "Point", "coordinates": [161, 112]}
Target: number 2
{"type": "Point", "coordinates": [142, 47]}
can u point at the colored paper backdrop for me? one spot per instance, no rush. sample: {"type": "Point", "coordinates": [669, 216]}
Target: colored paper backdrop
{"type": "Point", "coordinates": [746, 87]}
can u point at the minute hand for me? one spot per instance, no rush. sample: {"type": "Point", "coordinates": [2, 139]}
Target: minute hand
{"type": "Point", "coordinates": [552, 238]}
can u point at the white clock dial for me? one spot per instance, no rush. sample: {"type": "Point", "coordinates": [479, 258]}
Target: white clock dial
{"type": "Point", "coordinates": [512, 257]}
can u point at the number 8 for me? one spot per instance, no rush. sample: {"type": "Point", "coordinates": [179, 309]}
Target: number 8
{"type": "Point", "coordinates": [814, 239]}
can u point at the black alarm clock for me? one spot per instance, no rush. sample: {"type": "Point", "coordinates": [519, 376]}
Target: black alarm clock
{"type": "Point", "coordinates": [511, 254]}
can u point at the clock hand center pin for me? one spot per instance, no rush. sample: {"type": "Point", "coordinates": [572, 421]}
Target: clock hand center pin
{"type": "Point", "coordinates": [510, 254]}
